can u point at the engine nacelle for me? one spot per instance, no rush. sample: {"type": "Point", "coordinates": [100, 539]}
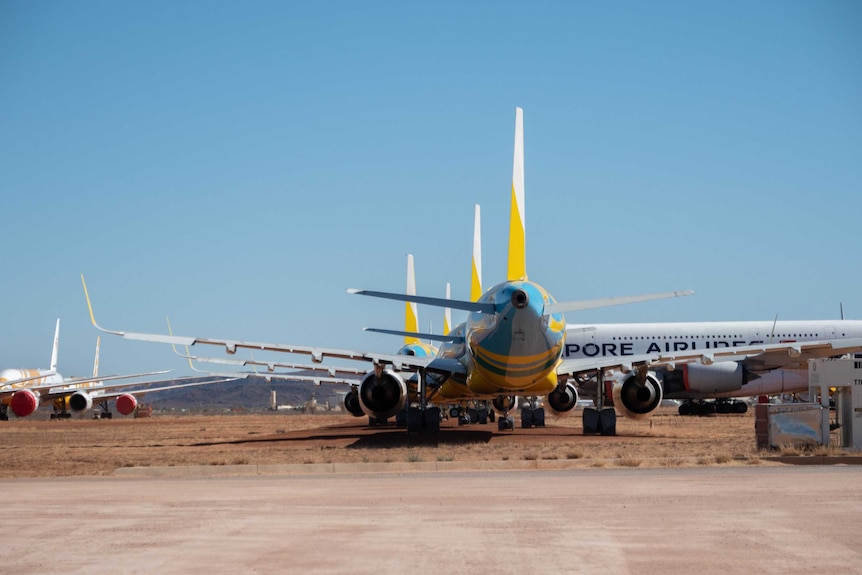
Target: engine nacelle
{"type": "Point", "coordinates": [382, 397]}
{"type": "Point", "coordinates": [562, 400]}
{"type": "Point", "coordinates": [635, 400]}
{"type": "Point", "coordinates": [505, 403]}
{"type": "Point", "coordinates": [80, 401]}
{"type": "Point", "coordinates": [716, 378]}
{"type": "Point", "coordinates": [351, 403]}
{"type": "Point", "coordinates": [127, 404]}
{"type": "Point", "coordinates": [24, 402]}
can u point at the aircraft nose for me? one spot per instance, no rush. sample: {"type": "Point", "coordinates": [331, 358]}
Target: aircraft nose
{"type": "Point", "coordinates": [520, 299]}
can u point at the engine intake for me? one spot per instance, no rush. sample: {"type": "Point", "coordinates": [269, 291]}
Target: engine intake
{"type": "Point", "coordinates": [638, 400]}
{"type": "Point", "coordinates": [382, 397]}
{"type": "Point", "coordinates": [563, 399]}
{"type": "Point", "coordinates": [80, 401]}
{"type": "Point", "coordinates": [351, 403]}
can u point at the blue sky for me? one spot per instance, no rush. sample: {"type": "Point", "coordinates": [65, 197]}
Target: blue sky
{"type": "Point", "coordinates": [238, 166]}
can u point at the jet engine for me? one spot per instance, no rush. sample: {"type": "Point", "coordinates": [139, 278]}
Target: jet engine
{"type": "Point", "coordinates": [24, 402]}
{"type": "Point", "coordinates": [638, 400]}
{"type": "Point", "coordinates": [505, 403]}
{"type": "Point", "coordinates": [562, 400]}
{"type": "Point", "coordinates": [696, 378]}
{"type": "Point", "coordinates": [80, 401]}
{"type": "Point", "coordinates": [382, 397]}
{"type": "Point", "coordinates": [351, 403]}
{"type": "Point", "coordinates": [127, 403]}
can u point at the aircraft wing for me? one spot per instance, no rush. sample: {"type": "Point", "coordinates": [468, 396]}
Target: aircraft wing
{"type": "Point", "coordinates": [52, 391]}
{"type": "Point", "coordinates": [757, 358]}
{"type": "Point", "coordinates": [79, 381]}
{"type": "Point", "coordinates": [317, 354]}
{"type": "Point", "coordinates": [144, 391]}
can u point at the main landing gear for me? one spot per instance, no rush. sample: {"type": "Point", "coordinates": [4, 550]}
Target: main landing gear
{"type": "Point", "coordinates": [690, 407]}
{"type": "Point", "coordinates": [532, 415]}
{"type": "Point", "coordinates": [600, 420]}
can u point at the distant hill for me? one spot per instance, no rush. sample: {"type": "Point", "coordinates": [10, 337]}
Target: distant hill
{"type": "Point", "coordinates": [252, 394]}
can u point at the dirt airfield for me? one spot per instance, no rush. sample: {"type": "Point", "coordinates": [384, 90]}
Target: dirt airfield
{"type": "Point", "coordinates": [88, 447]}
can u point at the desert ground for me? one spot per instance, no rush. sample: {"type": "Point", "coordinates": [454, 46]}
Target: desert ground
{"type": "Point", "coordinates": [87, 447]}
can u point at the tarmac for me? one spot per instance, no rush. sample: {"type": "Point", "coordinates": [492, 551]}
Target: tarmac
{"type": "Point", "coordinates": [736, 519]}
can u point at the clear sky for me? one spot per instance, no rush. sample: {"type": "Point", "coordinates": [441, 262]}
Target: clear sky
{"type": "Point", "coordinates": [237, 166]}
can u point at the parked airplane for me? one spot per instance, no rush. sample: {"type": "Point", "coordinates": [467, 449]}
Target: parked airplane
{"type": "Point", "coordinates": [513, 343]}
{"type": "Point", "coordinates": [766, 374]}
{"type": "Point", "coordinates": [23, 390]}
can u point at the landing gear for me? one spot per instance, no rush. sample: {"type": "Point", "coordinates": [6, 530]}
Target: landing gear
{"type": "Point", "coordinates": [712, 407]}
{"type": "Point", "coordinates": [4, 415]}
{"type": "Point", "coordinates": [423, 420]}
{"type": "Point", "coordinates": [104, 412]}
{"type": "Point", "coordinates": [601, 420]}
{"type": "Point", "coordinates": [506, 423]}
{"type": "Point", "coordinates": [532, 416]}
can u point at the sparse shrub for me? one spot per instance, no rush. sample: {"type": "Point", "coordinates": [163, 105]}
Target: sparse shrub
{"type": "Point", "coordinates": [574, 455]}
{"type": "Point", "coordinates": [599, 463]}
{"type": "Point", "coordinates": [445, 457]}
{"type": "Point", "coordinates": [413, 457]}
{"type": "Point", "coordinates": [530, 456]}
{"type": "Point", "coordinates": [723, 458]}
{"type": "Point", "coordinates": [629, 462]}
{"type": "Point", "coordinates": [673, 461]}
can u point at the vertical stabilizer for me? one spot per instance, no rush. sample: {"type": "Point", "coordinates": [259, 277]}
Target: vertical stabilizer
{"type": "Point", "coordinates": [56, 347]}
{"type": "Point", "coordinates": [517, 235]}
{"type": "Point", "coordinates": [447, 312]}
{"type": "Point", "coordinates": [96, 361]}
{"type": "Point", "coordinates": [411, 316]}
{"type": "Point", "coordinates": [476, 280]}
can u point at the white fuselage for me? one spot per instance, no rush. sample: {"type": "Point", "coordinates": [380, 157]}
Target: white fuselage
{"type": "Point", "coordinates": [631, 339]}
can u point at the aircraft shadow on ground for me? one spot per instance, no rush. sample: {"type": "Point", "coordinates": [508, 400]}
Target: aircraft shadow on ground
{"type": "Point", "coordinates": [362, 438]}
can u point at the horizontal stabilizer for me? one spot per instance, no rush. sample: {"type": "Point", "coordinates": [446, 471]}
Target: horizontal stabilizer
{"type": "Point", "coordinates": [561, 307]}
{"type": "Point", "coordinates": [428, 336]}
{"type": "Point", "coordinates": [483, 307]}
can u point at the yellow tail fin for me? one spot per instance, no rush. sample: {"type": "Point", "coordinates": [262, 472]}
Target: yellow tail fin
{"type": "Point", "coordinates": [476, 280]}
{"type": "Point", "coordinates": [517, 235]}
{"type": "Point", "coordinates": [411, 316]}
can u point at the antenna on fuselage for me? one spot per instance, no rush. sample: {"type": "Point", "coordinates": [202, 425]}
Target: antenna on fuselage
{"type": "Point", "coordinates": [842, 310]}
{"type": "Point", "coordinates": [517, 232]}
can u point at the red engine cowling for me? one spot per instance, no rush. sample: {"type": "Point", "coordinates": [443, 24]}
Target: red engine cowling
{"type": "Point", "coordinates": [24, 402]}
{"type": "Point", "coordinates": [638, 400]}
{"type": "Point", "coordinates": [126, 404]}
{"type": "Point", "coordinates": [384, 396]}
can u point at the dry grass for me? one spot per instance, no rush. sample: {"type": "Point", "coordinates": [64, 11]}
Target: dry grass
{"type": "Point", "coordinates": [33, 448]}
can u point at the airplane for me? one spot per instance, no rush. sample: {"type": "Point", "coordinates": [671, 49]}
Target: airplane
{"type": "Point", "coordinates": [764, 374]}
{"type": "Point", "coordinates": [23, 390]}
{"type": "Point", "coordinates": [511, 343]}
